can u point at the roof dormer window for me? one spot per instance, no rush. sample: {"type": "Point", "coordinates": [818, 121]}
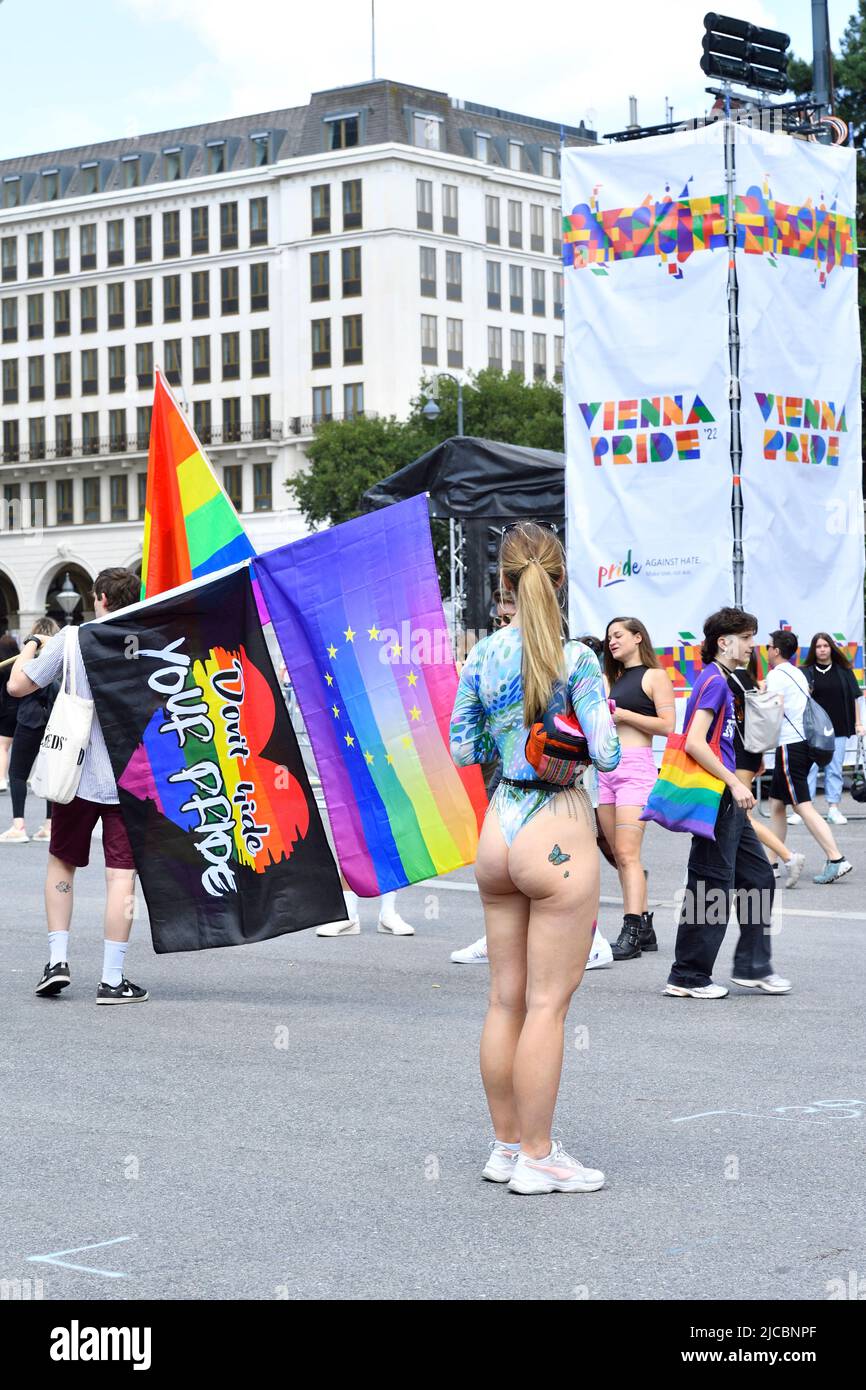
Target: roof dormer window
{"type": "Point", "coordinates": [427, 131]}
{"type": "Point", "coordinates": [261, 143]}
{"type": "Point", "coordinates": [342, 132]}
{"type": "Point", "coordinates": [131, 170]}
{"type": "Point", "coordinates": [216, 156]}
{"type": "Point", "coordinates": [482, 147]}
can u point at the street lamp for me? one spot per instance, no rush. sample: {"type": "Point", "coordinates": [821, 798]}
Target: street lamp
{"type": "Point", "coordinates": [68, 598]}
{"type": "Point", "coordinates": [431, 410]}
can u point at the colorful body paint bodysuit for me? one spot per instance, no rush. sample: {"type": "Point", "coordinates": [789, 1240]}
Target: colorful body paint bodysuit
{"type": "Point", "coordinates": [487, 719]}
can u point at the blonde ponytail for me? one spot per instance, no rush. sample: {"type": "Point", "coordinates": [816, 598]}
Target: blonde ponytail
{"type": "Point", "coordinates": [532, 560]}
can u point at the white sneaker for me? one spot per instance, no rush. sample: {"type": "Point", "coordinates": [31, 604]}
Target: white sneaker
{"type": "Point", "coordinates": [696, 991]}
{"type": "Point", "coordinates": [4, 785]}
{"type": "Point", "coordinates": [500, 1164]}
{"type": "Point", "coordinates": [793, 869]}
{"type": "Point", "coordinates": [835, 817]}
{"type": "Point", "coordinates": [350, 928]}
{"type": "Point", "coordinates": [476, 954]}
{"type": "Point", "coordinates": [794, 819]}
{"type": "Point", "coordinates": [771, 984]}
{"type": "Point", "coordinates": [395, 926]}
{"type": "Point", "coordinates": [600, 954]}
{"type": "Point", "coordinates": [559, 1172]}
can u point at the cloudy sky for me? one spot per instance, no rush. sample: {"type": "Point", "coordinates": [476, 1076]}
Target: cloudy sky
{"type": "Point", "coordinates": [77, 71]}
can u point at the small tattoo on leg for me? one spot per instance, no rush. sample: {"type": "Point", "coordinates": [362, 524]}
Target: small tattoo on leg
{"type": "Point", "coordinates": [556, 856]}
{"type": "Point", "coordinates": [565, 874]}
{"type": "Point", "coordinates": [64, 886]}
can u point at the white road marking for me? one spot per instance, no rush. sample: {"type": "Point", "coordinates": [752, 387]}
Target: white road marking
{"type": "Point", "coordinates": [52, 1258]}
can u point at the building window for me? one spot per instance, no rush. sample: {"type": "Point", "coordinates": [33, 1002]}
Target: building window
{"type": "Point", "coordinates": [482, 147]}
{"type": "Point", "coordinates": [143, 303]}
{"type": "Point", "coordinates": [200, 360]}
{"type": "Point", "coordinates": [171, 165]}
{"type": "Point", "coordinates": [10, 381]}
{"type": "Point", "coordinates": [229, 291]}
{"type": "Point", "coordinates": [201, 294]}
{"type": "Point", "coordinates": [427, 131]}
{"type": "Point", "coordinates": [353, 400]}
{"type": "Point", "coordinates": [38, 499]}
{"type": "Point", "coordinates": [539, 355]}
{"type": "Point", "coordinates": [141, 495]}
{"type": "Point", "coordinates": [518, 361]}
{"type": "Point", "coordinates": [341, 132]}
{"type": "Point", "coordinates": [556, 219]}
{"type": "Point", "coordinates": [455, 342]}
{"type": "Point", "coordinates": [259, 293]}
{"type": "Point", "coordinates": [261, 149]}
{"type": "Point", "coordinates": [536, 227]}
{"type": "Point", "coordinates": [550, 163]}
{"type": "Point", "coordinates": [50, 186]}
{"type": "Point", "coordinates": [142, 426]}
{"type": "Point", "coordinates": [88, 308]}
{"type": "Point", "coordinates": [173, 361]}
{"type": "Point", "coordinates": [491, 213]}
{"type": "Point", "coordinates": [11, 441]}
{"type": "Point", "coordinates": [263, 498]}
{"type": "Point", "coordinates": [116, 308]}
{"type": "Point", "coordinates": [201, 417]}
{"type": "Point", "coordinates": [61, 313]}
{"type": "Point", "coordinates": [170, 235]}
{"type": "Point", "coordinates": [216, 156]}
{"type": "Point", "coordinates": [260, 346]}
{"type": "Point", "coordinates": [131, 171]}
{"type": "Point", "coordinates": [353, 342]}
{"type": "Point", "coordinates": [143, 239]}
{"type": "Point", "coordinates": [9, 255]}
{"type": "Point", "coordinates": [87, 246]}
{"type": "Point", "coordinates": [63, 501]}
{"type": "Point", "coordinates": [494, 285]}
{"type": "Point", "coordinates": [89, 372]}
{"type": "Point", "coordinates": [429, 350]}
{"type": "Point", "coordinates": [320, 204]}
{"type": "Point", "coordinates": [453, 275]}
{"type": "Point", "coordinates": [115, 243]}
{"type": "Point", "coordinates": [261, 417]}
{"type": "Point", "coordinates": [231, 356]}
{"type": "Point", "coordinates": [515, 223]}
{"type": "Point", "coordinates": [10, 320]}
{"type": "Point", "coordinates": [61, 250]}
{"type": "Point", "coordinates": [90, 432]}
{"type": "Point", "coordinates": [322, 404]}
{"type": "Point", "coordinates": [321, 337]}
{"type": "Point", "coordinates": [231, 419]}
{"type": "Point", "coordinates": [320, 275]}
{"type": "Point", "coordinates": [428, 271]}
{"type": "Point", "coordinates": [117, 369]}
{"type": "Point", "coordinates": [515, 288]}
{"type": "Point", "coordinates": [90, 179]}
{"type": "Point", "coordinates": [494, 348]}
{"type": "Point", "coordinates": [171, 299]}
{"type": "Point", "coordinates": [424, 203]}
{"type": "Point", "coordinates": [118, 492]}
{"type": "Point", "coordinates": [515, 154]}
{"type": "Point", "coordinates": [233, 478]}
{"type": "Point", "coordinates": [200, 236]}
{"type": "Point", "coordinates": [228, 226]}
{"type": "Point", "coordinates": [35, 263]}
{"type": "Point", "coordinates": [37, 439]}
{"type": "Point", "coordinates": [352, 209]}
{"type": "Point", "coordinates": [144, 365]}
{"type": "Point", "coordinates": [35, 316]}
{"type": "Point", "coordinates": [12, 191]}
{"type": "Point", "coordinates": [557, 294]}
{"type": "Point", "coordinates": [538, 298]}
{"type": "Point", "coordinates": [449, 208]}
{"type": "Point", "coordinates": [36, 378]}
{"type": "Point", "coordinates": [258, 221]}
{"type": "Point", "coordinates": [557, 359]}
{"type": "Point", "coordinates": [351, 263]}
{"type": "Point", "coordinates": [90, 496]}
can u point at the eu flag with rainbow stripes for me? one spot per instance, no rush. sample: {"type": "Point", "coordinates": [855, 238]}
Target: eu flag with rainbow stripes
{"type": "Point", "coordinates": [190, 526]}
{"type": "Point", "coordinates": [358, 616]}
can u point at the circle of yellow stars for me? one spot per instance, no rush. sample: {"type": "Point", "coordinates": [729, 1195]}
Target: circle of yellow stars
{"type": "Point", "coordinates": [396, 651]}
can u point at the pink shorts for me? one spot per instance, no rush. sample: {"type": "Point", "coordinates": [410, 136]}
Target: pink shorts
{"type": "Point", "coordinates": [631, 782]}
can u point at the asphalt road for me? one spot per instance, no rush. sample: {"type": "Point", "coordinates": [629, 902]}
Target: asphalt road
{"type": "Point", "coordinates": [304, 1119]}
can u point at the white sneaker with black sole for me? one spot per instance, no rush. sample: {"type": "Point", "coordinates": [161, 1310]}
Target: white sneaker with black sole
{"type": "Point", "coordinates": [124, 993]}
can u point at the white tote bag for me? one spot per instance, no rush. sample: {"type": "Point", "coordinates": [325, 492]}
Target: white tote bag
{"type": "Point", "coordinates": [57, 770]}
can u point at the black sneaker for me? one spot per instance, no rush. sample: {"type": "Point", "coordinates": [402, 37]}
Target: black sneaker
{"type": "Point", "coordinates": [54, 979]}
{"type": "Point", "coordinates": [124, 993]}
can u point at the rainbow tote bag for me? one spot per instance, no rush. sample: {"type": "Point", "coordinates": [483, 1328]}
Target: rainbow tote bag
{"type": "Point", "coordinates": [685, 796]}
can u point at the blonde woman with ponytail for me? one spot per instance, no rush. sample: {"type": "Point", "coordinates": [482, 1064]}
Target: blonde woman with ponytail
{"type": "Point", "coordinates": [537, 865]}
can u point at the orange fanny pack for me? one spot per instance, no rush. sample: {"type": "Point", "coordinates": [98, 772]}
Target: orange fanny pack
{"type": "Point", "coordinates": [557, 748]}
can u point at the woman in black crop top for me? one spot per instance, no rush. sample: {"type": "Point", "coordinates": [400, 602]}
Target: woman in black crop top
{"type": "Point", "coordinates": [644, 700]}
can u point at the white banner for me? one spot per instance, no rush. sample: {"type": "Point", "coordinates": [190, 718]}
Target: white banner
{"type": "Point", "coordinates": [800, 385]}
{"type": "Point", "coordinates": [648, 472]}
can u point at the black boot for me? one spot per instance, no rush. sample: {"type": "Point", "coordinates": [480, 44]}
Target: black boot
{"type": "Point", "coordinates": [648, 939]}
{"type": "Point", "coordinates": [627, 946]}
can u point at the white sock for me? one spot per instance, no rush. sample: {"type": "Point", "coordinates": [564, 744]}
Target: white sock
{"type": "Point", "coordinates": [388, 909]}
{"type": "Point", "coordinates": [351, 900]}
{"type": "Point", "coordinates": [58, 945]}
{"type": "Point", "coordinates": [513, 1147]}
{"type": "Point", "coordinates": [113, 953]}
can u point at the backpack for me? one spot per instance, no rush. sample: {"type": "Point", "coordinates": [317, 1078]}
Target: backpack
{"type": "Point", "coordinates": [762, 719]}
{"type": "Point", "coordinates": [818, 732]}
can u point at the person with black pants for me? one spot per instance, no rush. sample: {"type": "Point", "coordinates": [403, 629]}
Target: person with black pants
{"type": "Point", "coordinates": [33, 712]}
{"type": "Point", "coordinates": [734, 862]}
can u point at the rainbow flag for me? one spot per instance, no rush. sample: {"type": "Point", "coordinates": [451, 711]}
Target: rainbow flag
{"type": "Point", "coordinates": [190, 525]}
{"type": "Point", "coordinates": [358, 616]}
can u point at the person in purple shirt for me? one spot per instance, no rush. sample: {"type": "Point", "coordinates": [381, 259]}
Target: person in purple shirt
{"type": "Point", "coordinates": [734, 862]}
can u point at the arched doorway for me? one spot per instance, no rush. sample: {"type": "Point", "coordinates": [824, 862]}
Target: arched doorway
{"type": "Point", "coordinates": [83, 586]}
{"type": "Point", "coordinates": [9, 620]}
